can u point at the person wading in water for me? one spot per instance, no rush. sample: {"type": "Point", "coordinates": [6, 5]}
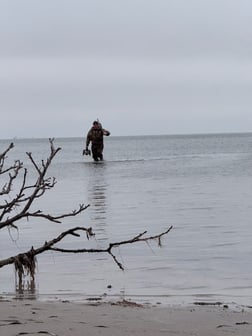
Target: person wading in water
{"type": "Point", "coordinates": [95, 136]}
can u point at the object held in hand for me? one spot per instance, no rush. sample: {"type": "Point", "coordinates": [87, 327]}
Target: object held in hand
{"type": "Point", "coordinates": [86, 152]}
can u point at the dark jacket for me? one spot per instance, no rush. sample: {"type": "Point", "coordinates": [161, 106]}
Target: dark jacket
{"type": "Point", "coordinates": [95, 136]}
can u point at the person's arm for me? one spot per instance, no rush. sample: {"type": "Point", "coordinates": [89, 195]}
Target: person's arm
{"type": "Point", "coordinates": [88, 139]}
{"type": "Point", "coordinates": [105, 132]}
{"type": "Point", "coordinates": [87, 151]}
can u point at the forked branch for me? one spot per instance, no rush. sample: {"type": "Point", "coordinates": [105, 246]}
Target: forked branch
{"type": "Point", "coordinates": [17, 207]}
{"type": "Point", "coordinates": [25, 262]}
{"type": "Point", "coordinates": [27, 194]}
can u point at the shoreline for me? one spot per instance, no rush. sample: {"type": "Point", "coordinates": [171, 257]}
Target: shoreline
{"type": "Point", "coordinates": [145, 300]}
{"type": "Point", "coordinates": [123, 317]}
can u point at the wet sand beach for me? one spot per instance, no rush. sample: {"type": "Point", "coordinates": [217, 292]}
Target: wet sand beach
{"type": "Point", "coordinates": [64, 318]}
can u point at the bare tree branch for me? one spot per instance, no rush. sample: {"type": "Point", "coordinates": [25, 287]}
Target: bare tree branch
{"type": "Point", "coordinates": [18, 206]}
{"type": "Point", "coordinates": [23, 261]}
{"type": "Point", "coordinates": [56, 219]}
{"type": "Point", "coordinates": [13, 171]}
{"type": "Point", "coordinates": [23, 201]}
{"type": "Point", "coordinates": [3, 157]}
{"type": "Point", "coordinates": [12, 175]}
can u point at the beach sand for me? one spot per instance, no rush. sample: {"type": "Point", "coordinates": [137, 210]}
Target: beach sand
{"type": "Point", "coordinates": [64, 318]}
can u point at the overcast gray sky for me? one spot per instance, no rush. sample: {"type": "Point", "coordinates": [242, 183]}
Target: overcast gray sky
{"type": "Point", "coordinates": [140, 66]}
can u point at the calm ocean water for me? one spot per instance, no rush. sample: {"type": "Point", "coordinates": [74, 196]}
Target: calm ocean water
{"type": "Point", "coordinates": [200, 184]}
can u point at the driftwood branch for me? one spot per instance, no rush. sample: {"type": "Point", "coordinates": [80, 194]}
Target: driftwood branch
{"type": "Point", "coordinates": [28, 193]}
{"type": "Point", "coordinates": [25, 262]}
{"type": "Point", "coordinates": [18, 206]}
{"type": "Point", "coordinates": [3, 157]}
{"type": "Point", "coordinates": [12, 171]}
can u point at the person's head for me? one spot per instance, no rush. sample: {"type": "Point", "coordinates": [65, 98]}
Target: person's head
{"type": "Point", "coordinates": [96, 124]}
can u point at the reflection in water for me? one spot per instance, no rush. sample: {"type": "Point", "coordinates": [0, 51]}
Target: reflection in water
{"type": "Point", "coordinates": [25, 287]}
{"type": "Point", "coordinates": [97, 189]}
